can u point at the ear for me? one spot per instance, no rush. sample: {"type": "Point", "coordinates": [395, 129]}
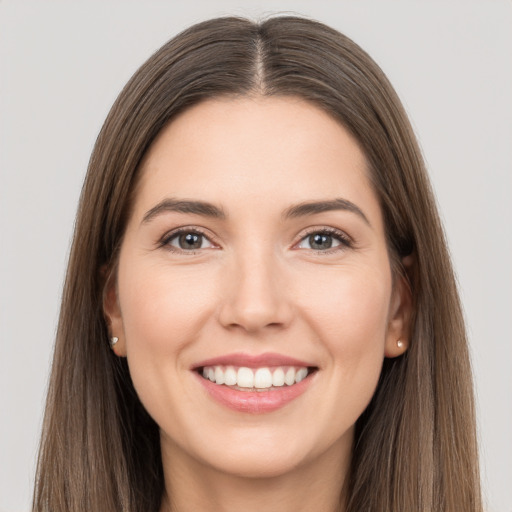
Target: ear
{"type": "Point", "coordinates": [112, 313]}
{"type": "Point", "coordinates": [400, 314]}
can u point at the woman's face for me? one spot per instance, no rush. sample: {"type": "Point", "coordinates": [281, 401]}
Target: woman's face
{"type": "Point", "coordinates": [255, 254]}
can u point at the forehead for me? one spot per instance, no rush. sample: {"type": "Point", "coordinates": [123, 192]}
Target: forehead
{"type": "Point", "coordinates": [229, 150]}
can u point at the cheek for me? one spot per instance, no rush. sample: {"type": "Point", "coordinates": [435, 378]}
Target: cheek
{"type": "Point", "coordinates": [349, 310]}
{"type": "Point", "coordinates": [349, 305]}
{"type": "Point", "coordinates": [163, 308]}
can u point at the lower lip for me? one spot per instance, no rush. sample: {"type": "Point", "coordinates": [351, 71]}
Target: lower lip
{"type": "Point", "coordinates": [254, 402]}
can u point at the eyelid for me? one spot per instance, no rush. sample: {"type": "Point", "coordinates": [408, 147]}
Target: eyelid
{"type": "Point", "coordinates": [163, 242]}
{"type": "Point", "coordinates": [345, 240]}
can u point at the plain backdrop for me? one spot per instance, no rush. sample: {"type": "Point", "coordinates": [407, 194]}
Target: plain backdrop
{"type": "Point", "coordinates": [62, 65]}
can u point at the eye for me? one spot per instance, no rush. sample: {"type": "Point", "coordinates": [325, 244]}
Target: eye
{"type": "Point", "coordinates": [187, 241]}
{"type": "Point", "coordinates": [323, 240]}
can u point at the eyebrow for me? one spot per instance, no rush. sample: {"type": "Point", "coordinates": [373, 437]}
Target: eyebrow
{"type": "Point", "coordinates": [206, 209]}
{"type": "Point", "coordinates": [314, 207]}
{"type": "Point", "coordinates": [184, 206]}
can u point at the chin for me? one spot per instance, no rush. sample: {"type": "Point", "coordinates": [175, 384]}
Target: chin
{"type": "Point", "coordinates": [267, 462]}
{"type": "Point", "coordinates": [266, 452]}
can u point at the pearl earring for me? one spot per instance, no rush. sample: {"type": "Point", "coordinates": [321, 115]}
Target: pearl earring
{"type": "Point", "coordinates": [400, 343]}
{"type": "Point", "coordinates": [113, 341]}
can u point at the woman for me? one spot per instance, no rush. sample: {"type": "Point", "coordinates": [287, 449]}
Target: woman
{"type": "Point", "coordinates": [259, 309]}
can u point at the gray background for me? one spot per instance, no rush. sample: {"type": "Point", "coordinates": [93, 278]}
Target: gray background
{"type": "Point", "coordinates": [62, 65]}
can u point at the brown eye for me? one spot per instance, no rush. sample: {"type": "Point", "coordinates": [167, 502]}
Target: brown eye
{"type": "Point", "coordinates": [188, 241]}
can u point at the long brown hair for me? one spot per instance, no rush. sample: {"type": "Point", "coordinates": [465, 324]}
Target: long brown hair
{"type": "Point", "coordinates": [415, 447]}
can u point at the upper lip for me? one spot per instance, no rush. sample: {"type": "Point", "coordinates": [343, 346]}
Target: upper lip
{"type": "Point", "coordinates": [252, 361]}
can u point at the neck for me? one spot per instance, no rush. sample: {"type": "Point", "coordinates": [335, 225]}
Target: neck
{"type": "Point", "coordinates": [315, 485]}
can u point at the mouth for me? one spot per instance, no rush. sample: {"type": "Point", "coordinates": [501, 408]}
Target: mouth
{"type": "Point", "coordinates": [255, 384]}
{"type": "Point", "coordinates": [245, 379]}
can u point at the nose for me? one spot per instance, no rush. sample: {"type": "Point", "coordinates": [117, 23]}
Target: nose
{"type": "Point", "coordinates": [256, 295]}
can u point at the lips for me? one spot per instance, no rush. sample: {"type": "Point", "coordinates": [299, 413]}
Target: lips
{"type": "Point", "coordinates": [254, 384]}
{"type": "Point", "coordinates": [252, 361]}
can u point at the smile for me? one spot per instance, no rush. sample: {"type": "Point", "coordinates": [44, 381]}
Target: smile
{"type": "Point", "coordinates": [255, 379]}
{"type": "Point", "coordinates": [255, 384]}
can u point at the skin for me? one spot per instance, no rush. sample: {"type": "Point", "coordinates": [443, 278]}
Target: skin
{"type": "Point", "coordinates": [256, 285]}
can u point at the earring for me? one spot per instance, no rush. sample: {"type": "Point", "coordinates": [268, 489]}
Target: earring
{"type": "Point", "coordinates": [400, 344]}
{"type": "Point", "coordinates": [113, 341]}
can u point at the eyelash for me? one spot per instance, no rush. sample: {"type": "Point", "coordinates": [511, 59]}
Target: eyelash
{"type": "Point", "coordinates": [345, 242]}
{"type": "Point", "coordinates": [168, 237]}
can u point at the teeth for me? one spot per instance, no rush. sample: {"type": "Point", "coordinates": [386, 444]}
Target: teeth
{"type": "Point", "coordinates": [260, 378]}
{"type": "Point", "coordinates": [219, 375]}
{"type": "Point", "coordinates": [278, 378]}
{"type": "Point", "coordinates": [289, 377]}
{"type": "Point", "coordinates": [300, 375]}
{"type": "Point", "coordinates": [245, 378]}
{"type": "Point", "coordinates": [230, 376]}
